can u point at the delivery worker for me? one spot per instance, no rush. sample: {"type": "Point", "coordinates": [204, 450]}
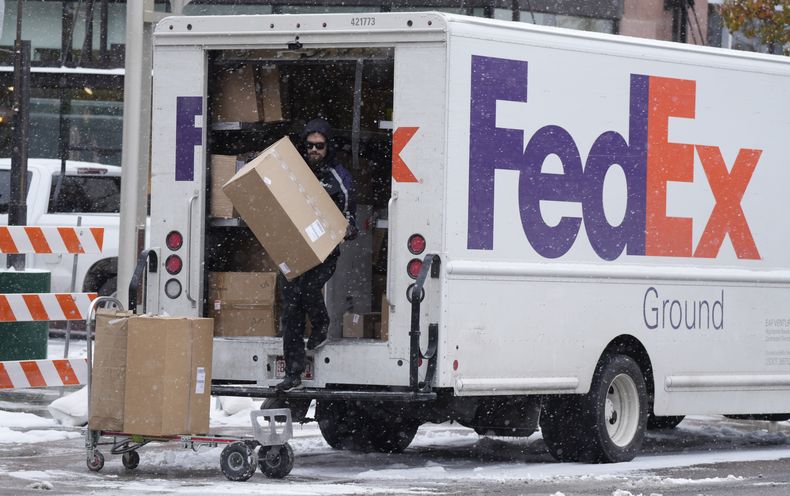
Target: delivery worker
{"type": "Point", "coordinates": [302, 296]}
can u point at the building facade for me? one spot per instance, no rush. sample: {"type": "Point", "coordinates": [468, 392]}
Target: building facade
{"type": "Point", "coordinates": [76, 105]}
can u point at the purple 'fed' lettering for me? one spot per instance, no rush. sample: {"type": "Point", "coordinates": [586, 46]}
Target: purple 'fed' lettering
{"type": "Point", "coordinates": [492, 148]}
{"type": "Point", "coordinates": [188, 136]}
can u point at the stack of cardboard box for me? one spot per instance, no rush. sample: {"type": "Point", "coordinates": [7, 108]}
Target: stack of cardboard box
{"type": "Point", "coordinates": [373, 325]}
{"type": "Point", "coordinates": [243, 303]}
{"type": "Point", "coordinates": [246, 93]}
{"type": "Point", "coordinates": [151, 375]}
{"type": "Point", "coordinates": [361, 325]}
{"type": "Point", "coordinates": [223, 167]}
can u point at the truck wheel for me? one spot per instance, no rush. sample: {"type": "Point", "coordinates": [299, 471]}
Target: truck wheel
{"type": "Point", "coordinates": [655, 422]}
{"type": "Point", "coordinates": [333, 424]}
{"type": "Point", "coordinates": [345, 425]}
{"type": "Point", "coordinates": [238, 461]}
{"type": "Point", "coordinates": [109, 287]}
{"type": "Point", "coordinates": [276, 461]}
{"type": "Point", "coordinates": [612, 415]}
{"type": "Point", "coordinates": [559, 424]}
{"type": "Point", "coordinates": [393, 437]}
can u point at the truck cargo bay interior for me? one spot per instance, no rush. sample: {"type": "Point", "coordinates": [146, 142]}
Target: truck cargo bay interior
{"type": "Point", "coordinates": [256, 97]}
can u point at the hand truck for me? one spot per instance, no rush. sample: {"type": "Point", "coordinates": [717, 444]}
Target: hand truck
{"type": "Point", "coordinates": [267, 449]}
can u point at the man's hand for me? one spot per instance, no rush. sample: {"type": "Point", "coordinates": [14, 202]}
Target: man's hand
{"type": "Point", "coordinates": [351, 232]}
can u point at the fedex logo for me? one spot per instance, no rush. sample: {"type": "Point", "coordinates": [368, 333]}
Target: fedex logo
{"type": "Point", "coordinates": [189, 134]}
{"type": "Point", "coordinates": [648, 160]}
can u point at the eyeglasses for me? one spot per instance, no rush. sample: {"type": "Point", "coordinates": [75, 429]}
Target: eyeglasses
{"type": "Point", "coordinates": [317, 146]}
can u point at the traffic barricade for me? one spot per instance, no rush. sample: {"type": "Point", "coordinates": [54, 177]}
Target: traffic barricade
{"type": "Point", "coordinates": [26, 307]}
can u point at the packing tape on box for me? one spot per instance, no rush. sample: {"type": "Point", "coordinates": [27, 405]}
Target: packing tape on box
{"type": "Point", "coordinates": [314, 231]}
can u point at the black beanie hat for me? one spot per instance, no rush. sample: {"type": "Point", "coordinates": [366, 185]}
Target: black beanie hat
{"type": "Point", "coordinates": [318, 126]}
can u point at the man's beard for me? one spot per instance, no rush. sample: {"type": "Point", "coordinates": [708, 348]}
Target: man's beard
{"type": "Point", "coordinates": [314, 159]}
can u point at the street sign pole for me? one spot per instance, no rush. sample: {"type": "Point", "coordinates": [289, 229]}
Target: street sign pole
{"type": "Point", "coordinates": [17, 208]}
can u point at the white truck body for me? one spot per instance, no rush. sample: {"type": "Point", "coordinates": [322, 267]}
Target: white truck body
{"type": "Point", "coordinates": [585, 193]}
{"type": "Point", "coordinates": [94, 271]}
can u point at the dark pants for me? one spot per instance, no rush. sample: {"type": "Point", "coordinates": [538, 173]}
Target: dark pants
{"type": "Point", "coordinates": [302, 296]}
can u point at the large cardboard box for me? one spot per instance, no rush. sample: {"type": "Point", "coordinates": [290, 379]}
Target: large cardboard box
{"type": "Point", "coordinates": [361, 325]}
{"type": "Point", "coordinates": [108, 378]}
{"type": "Point", "coordinates": [384, 328]}
{"type": "Point", "coordinates": [168, 375]}
{"type": "Point", "coordinates": [287, 209]}
{"type": "Point", "coordinates": [223, 167]}
{"type": "Point", "coordinates": [243, 303]}
{"type": "Point", "coordinates": [247, 93]}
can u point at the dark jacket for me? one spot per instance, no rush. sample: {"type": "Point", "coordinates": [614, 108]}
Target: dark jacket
{"type": "Point", "coordinates": [335, 179]}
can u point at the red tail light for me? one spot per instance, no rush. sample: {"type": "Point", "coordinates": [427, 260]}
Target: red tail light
{"type": "Point", "coordinates": [173, 264]}
{"type": "Point", "coordinates": [415, 264]}
{"type": "Point", "coordinates": [416, 244]}
{"type": "Point", "coordinates": [174, 240]}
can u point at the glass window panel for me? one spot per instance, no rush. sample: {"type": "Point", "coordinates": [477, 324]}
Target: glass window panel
{"type": "Point", "coordinates": [85, 194]}
{"type": "Point", "coordinates": [304, 9]}
{"type": "Point", "coordinates": [449, 10]}
{"type": "Point", "coordinates": [202, 9]}
{"type": "Point", "coordinates": [569, 22]}
{"type": "Point", "coordinates": [5, 189]}
{"type": "Point", "coordinates": [585, 24]}
{"type": "Point", "coordinates": [503, 14]}
{"type": "Point", "coordinates": [95, 130]}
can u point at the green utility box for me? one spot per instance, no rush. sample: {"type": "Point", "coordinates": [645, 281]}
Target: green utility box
{"type": "Point", "coordinates": [24, 340]}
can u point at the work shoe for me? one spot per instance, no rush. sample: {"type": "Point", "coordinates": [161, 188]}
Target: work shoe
{"type": "Point", "coordinates": [317, 340]}
{"type": "Point", "coordinates": [290, 383]}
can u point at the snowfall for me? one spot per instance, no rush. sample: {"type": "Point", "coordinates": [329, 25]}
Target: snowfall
{"type": "Point", "coordinates": [364, 475]}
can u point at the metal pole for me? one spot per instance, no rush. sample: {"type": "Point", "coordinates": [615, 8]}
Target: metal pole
{"type": "Point", "coordinates": [104, 16]}
{"type": "Point", "coordinates": [86, 54]}
{"type": "Point", "coordinates": [71, 289]}
{"type": "Point", "coordinates": [17, 208]}
{"type": "Point", "coordinates": [130, 156]}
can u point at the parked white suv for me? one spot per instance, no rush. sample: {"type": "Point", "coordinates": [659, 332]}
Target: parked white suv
{"type": "Point", "coordinates": [88, 190]}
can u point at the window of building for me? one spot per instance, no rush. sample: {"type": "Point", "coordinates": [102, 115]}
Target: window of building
{"type": "Point", "coordinates": [570, 22]}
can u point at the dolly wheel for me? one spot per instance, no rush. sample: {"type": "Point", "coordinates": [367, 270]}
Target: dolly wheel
{"type": "Point", "coordinates": [276, 461]}
{"type": "Point", "coordinates": [96, 461]}
{"type": "Point", "coordinates": [238, 461]}
{"type": "Point", "coordinates": [131, 459]}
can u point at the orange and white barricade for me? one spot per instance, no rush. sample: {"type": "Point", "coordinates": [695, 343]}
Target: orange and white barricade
{"type": "Point", "coordinates": [38, 307]}
{"type": "Point", "coordinates": [25, 374]}
{"type": "Point", "coordinates": [46, 240]}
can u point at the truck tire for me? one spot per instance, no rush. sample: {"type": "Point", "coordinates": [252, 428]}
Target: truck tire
{"type": "Point", "coordinates": [335, 424]}
{"type": "Point", "coordinates": [393, 437]}
{"type": "Point", "coordinates": [345, 425]}
{"type": "Point", "coordinates": [559, 424]}
{"type": "Point", "coordinates": [606, 425]}
{"type": "Point", "coordinates": [655, 422]}
{"type": "Point", "coordinates": [614, 414]}
{"type": "Point", "coordinates": [109, 287]}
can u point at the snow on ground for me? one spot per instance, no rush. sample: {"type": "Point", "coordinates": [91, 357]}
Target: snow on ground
{"type": "Point", "coordinates": [321, 471]}
{"type": "Point", "coordinates": [57, 347]}
{"type": "Point", "coordinates": [440, 454]}
{"type": "Point", "coordinates": [21, 427]}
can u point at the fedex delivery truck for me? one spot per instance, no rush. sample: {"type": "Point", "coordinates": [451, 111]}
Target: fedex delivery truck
{"type": "Point", "coordinates": [573, 230]}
